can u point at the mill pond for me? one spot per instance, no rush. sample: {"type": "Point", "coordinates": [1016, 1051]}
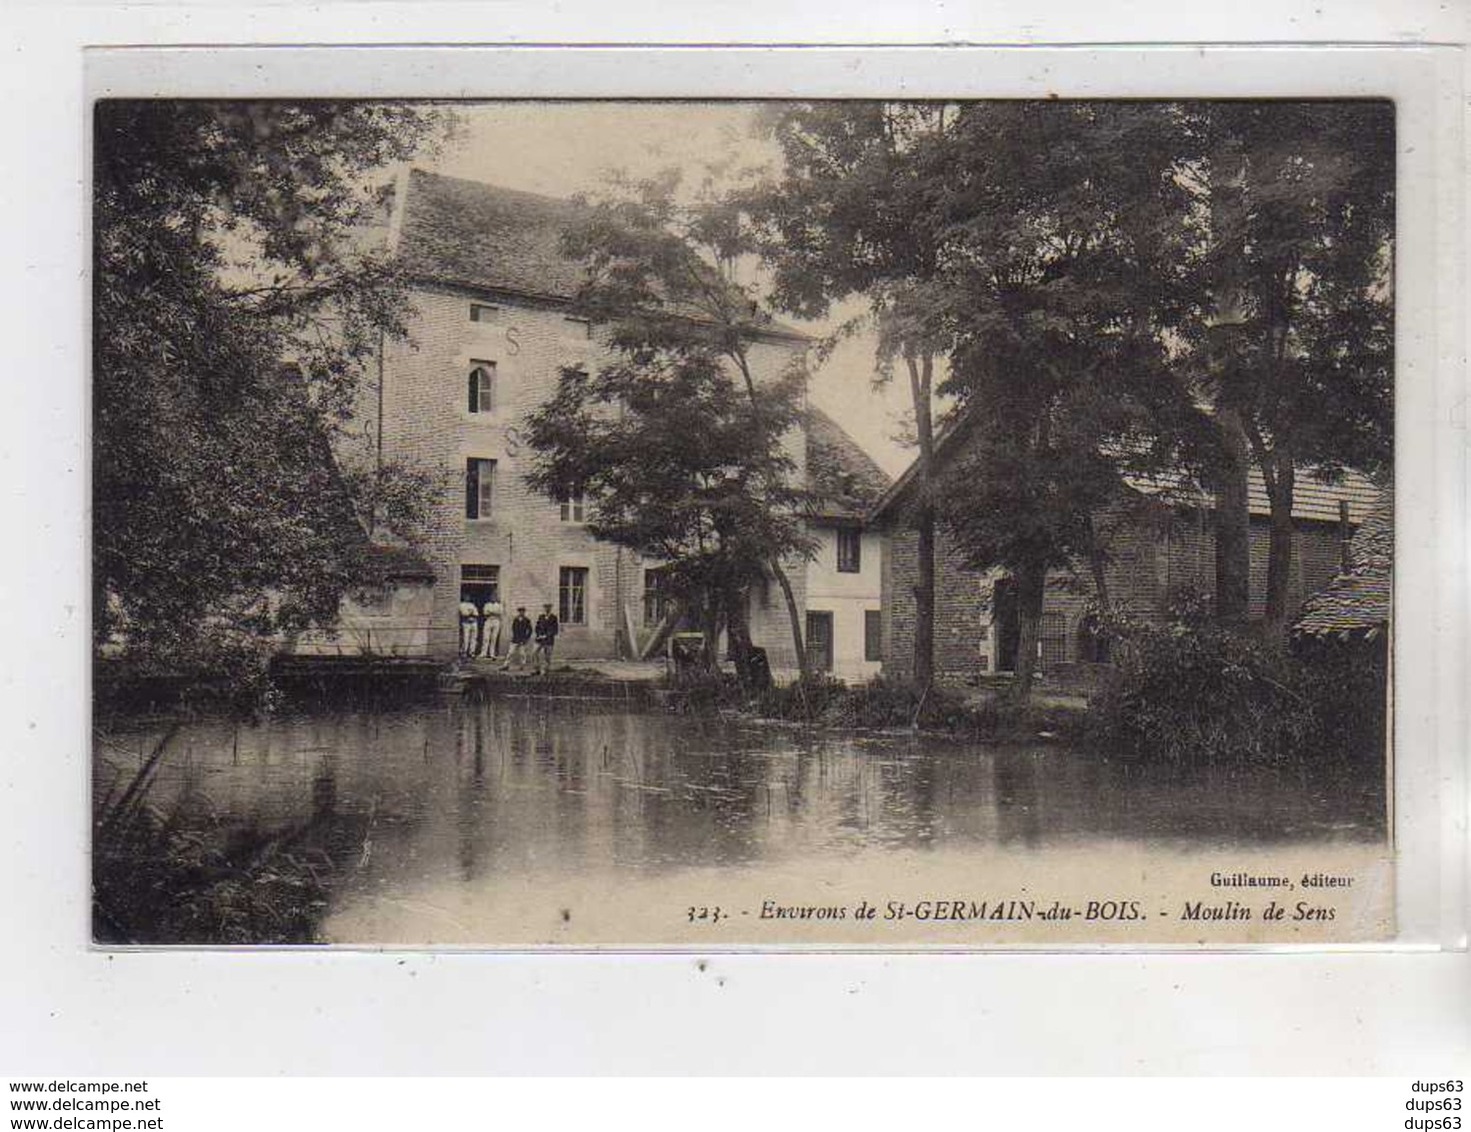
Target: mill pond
{"type": "Point", "coordinates": [512, 821]}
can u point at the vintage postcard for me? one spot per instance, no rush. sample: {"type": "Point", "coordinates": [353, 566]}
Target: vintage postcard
{"type": "Point", "coordinates": [863, 523]}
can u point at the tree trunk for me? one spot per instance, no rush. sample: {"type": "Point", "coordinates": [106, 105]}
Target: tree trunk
{"type": "Point", "coordinates": [738, 634]}
{"type": "Point", "coordinates": [710, 630]}
{"type": "Point", "coordinates": [737, 627]}
{"type": "Point", "coordinates": [1232, 516]}
{"type": "Point", "coordinates": [1097, 565]}
{"type": "Point", "coordinates": [921, 373]}
{"type": "Point", "coordinates": [1279, 557]}
{"type": "Point", "coordinates": [1031, 585]}
{"type": "Point", "coordinates": [795, 616]}
{"type": "Point", "coordinates": [1232, 523]}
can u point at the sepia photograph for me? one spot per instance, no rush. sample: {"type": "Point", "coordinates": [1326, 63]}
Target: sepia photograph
{"type": "Point", "coordinates": [742, 524]}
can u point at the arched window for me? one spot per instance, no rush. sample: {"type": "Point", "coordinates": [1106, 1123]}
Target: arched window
{"type": "Point", "coordinates": [482, 387]}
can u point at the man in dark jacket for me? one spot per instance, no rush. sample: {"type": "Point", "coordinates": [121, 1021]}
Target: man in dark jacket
{"type": "Point", "coordinates": [520, 639]}
{"type": "Point", "coordinates": [547, 627]}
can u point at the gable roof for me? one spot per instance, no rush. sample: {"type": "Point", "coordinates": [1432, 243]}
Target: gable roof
{"type": "Point", "coordinates": [381, 562]}
{"type": "Point", "coordinates": [1312, 498]}
{"type": "Point", "coordinates": [1357, 603]}
{"type": "Point", "coordinates": [844, 478]}
{"type": "Point", "coordinates": [484, 237]}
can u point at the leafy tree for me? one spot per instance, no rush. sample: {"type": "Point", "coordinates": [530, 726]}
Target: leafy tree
{"type": "Point", "coordinates": [1298, 348]}
{"type": "Point", "coordinates": [1068, 271]}
{"type": "Point", "coordinates": [235, 305]}
{"type": "Point", "coordinates": [1234, 255]}
{"type": "Point", "coordinates": [682, 450]}
{"type": "Point", "coordinates": [667, 450]}
{"type": "Point", "coordinates": [855, 213]}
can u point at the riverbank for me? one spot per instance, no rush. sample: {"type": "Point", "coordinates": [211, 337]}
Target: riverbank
{"type": "Point", "coordinates": [989, 713]}
{"type": "Point", "coordinates": [987, 710]}
{"type": "Point", "coordinates": [501, 819]}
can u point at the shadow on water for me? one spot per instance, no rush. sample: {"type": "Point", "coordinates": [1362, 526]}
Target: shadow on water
{"type": "Point", "coordinates": [402, 799]}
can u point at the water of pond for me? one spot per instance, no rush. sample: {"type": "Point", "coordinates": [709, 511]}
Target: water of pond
{"type": "Point", "coordinates": [455, 822]}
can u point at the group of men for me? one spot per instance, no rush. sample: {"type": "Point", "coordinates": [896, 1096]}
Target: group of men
{"type": "Point", "coordinates": [480, 635]}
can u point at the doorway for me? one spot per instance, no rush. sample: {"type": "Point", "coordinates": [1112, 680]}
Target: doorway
{"type": "Point", "coordinates": [819, 641]}
{"type": "Point", "coordinates": [1006, 623]}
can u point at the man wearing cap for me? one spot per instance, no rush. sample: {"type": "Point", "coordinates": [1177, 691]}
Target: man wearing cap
{"type": "Point", "coordinates": [520, 639]}
{"type": "Point", "coordinates": [546, 637]}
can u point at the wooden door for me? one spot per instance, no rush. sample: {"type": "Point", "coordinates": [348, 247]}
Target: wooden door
{"type": "Point", "coordinates": [819, 641]}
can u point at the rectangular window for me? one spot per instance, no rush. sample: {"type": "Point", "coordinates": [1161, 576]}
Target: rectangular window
{"type": "Point", "coordinates": [573, 506]}
{"type": "Point", "coordinates": [572, 595]}
{"type": "Point", "coordinates": [482, 387]}
{"type": "Point", "coordinates": [479, 487]}
{"type": "Point", "coordinates": [873, 634]}
{"type": "Point", "coordinates": [479, 583]}
{"type": "Point", "coordinates": [850, 550]}
{"type": "Point", "coordinates": [656, 597]}
{"type": "Point", "coordinates": [482, 312]}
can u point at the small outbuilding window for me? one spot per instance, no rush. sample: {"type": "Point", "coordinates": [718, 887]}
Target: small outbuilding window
{"type": "Point", "coordinates": [850, 550]}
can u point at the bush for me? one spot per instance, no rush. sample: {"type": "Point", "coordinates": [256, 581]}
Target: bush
{"type": "Point", "coordinates": [1194, 693]}
{"type": "Point", "coordinates": [1347, 683]}
{"type": "Point", "coordinates": [881, 704]}
{"type": "Point", "coordinates": [160, 878]}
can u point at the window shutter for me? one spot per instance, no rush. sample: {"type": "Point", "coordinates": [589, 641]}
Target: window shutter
{"type": "Point", "coordinates": [487, 488]}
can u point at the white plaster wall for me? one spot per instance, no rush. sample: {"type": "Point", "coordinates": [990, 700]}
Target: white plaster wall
{"type": "Point", "coordinates": [847, 597]}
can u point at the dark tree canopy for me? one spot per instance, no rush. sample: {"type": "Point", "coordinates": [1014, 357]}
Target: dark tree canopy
{"type": "Point", "coordinates": [859, 210]}
{"type": "Point", "coordinates": [1288, 363]}
{"type": "Point", "coordinates": [1067, 271]}
{"type": "Point", "coordinates": [235, 308]}
{"type": "Point", "coordinates": [677, 465]}
{"type": "Point", "coordinates": [1112, 287]}
{"type": "Point", "coordinates": [683, 450]}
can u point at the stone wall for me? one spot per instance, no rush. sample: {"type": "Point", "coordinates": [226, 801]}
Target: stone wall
{"type": "Point", "coordinates": [427, 420]}
{"type": "Point", "coordinates": [1153, 559]}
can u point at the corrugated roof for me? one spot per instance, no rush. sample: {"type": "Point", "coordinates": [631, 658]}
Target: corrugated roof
{"type": "Point", "coordinates": [1357, 603]}
{"type": "Point", "coordinates": [845, 479]}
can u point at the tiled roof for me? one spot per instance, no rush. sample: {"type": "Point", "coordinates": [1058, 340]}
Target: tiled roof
{"type": "Point", "coordinates": [1312, 498]}
{"type": "Point", "coordinates": [840, 473]}
{"type": "Point", "coordinates": [381, 563]}
{"type": "Point", "coordinates": [945, 434]}
{"type": "Point", "coordinates": [486, 237]}
{"type": "Point", "coordinates": [1357, 603]}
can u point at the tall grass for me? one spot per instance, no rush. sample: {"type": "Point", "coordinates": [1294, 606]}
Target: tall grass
{"type": "Point", "coordinates": [165, 877]}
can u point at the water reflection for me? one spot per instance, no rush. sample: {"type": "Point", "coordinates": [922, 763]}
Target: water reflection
{"type": "Point", "coordinates": [526, 791]}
